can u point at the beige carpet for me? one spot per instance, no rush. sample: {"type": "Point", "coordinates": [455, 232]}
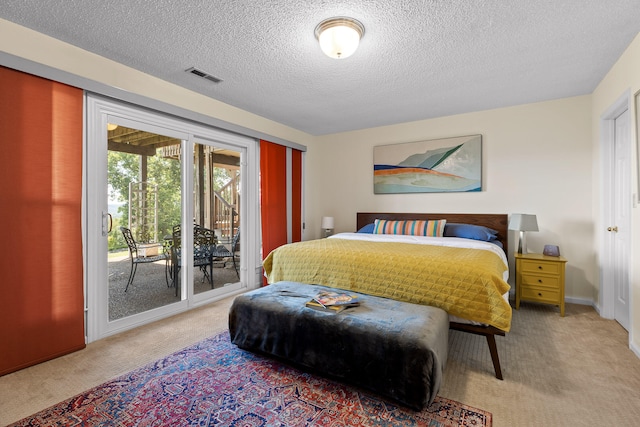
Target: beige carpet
{"type": "Point", "coordinates": [571, 371]}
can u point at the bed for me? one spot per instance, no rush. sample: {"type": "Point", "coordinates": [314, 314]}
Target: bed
{"type": "Point", "coordinates": [468, 282]}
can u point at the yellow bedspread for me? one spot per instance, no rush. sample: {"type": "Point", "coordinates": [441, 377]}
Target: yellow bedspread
{"type": "Point", "coordinates": [464, 282]}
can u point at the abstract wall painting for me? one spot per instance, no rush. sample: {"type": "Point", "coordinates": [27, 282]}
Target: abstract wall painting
{"type": "Point", "coordinates": [433, 166]}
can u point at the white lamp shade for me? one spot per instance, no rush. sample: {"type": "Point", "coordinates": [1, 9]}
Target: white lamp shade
{"type": "Point", "coordinates": [523, 222]}
{"type": "Point", "coordinates": [327, 222]}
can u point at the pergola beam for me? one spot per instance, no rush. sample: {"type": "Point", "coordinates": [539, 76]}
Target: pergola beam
{"type": "Point", "coordinates": [131, 149]}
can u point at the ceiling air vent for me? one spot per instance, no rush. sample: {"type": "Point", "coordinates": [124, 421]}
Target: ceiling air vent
{"type": "Point", "coordinates": [202, 74]}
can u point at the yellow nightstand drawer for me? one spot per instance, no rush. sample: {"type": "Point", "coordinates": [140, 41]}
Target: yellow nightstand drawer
{"type": "Point", "coordinates": [538, 280]}
{"type": "Point", "coordinates": [541, 294]}
{"type": "Point", "coordinates": [535, 266]}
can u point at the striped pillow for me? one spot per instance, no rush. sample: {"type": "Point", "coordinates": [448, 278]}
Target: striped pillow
{"type": "Point", "coordinates": [415, 227]}
{"type": "Point", "coordinates": [435, 228]}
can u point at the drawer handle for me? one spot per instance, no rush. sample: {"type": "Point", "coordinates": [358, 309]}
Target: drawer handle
{"type": "Point", "coordinates": [539, 280]}
{"type": "Point", "coordinates": [539, 267]}
{"type": "Point", "coordinates": [539, 294]}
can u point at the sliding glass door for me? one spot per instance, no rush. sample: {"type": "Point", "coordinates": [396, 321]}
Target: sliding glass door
{"type": "Point", "coordinates": [164, 215]}
{"type": "Point", "coordinates": [217, 190]}
{"type": "Point", "coordinates": [144, 206]}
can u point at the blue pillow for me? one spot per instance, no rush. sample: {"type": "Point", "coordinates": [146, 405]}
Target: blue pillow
{"type": "Point", "coordinates": [367, 228]}
{"type": "Point", "coordinates": [469, 231]}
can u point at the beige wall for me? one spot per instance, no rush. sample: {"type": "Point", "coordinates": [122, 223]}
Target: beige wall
{"type": "Point", "coordinates": [536, 159]}
{"type": "Point", "coordinates": [624, 77]}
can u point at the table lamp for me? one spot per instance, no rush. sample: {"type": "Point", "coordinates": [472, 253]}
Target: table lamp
{"type": "Point", "coordinates": [522, 223]}
{"type": "Point", "coordinates": [327, 225]}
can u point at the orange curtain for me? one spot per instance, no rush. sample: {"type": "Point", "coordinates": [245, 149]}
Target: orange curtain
{"type": "Point", "coordinates": [42, 303]}
{"type": "Point", "coordinates": [273, 196]}
{"type": "Point", "coordinates": [296, 189]}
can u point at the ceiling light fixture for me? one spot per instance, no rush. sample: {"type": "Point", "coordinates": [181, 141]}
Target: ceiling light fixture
{"type": "Point", "coordinates": [339, 37]}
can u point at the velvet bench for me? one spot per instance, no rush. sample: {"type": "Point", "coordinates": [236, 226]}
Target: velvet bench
{"type": "Point", "coordinates": [396, 349]}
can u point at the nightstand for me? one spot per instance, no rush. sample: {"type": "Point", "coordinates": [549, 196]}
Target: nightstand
{"type": "Point", "coordinates": [540, 278]}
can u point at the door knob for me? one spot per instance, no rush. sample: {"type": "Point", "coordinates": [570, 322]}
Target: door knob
{"type": "Point", "coordinates": [614, 229]}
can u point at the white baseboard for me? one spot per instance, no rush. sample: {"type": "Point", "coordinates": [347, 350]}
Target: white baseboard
{"type": "Point", "coordinates": [635, 349]}
{"type": "Point", "coordinates": [581, 301]}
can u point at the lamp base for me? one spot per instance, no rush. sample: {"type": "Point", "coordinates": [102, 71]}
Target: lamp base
{"type": "Point", "coordinates": [522, 244]}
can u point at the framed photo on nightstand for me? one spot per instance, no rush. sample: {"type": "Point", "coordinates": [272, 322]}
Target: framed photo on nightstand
{"type": "Point", "coordinates": [551, 250]}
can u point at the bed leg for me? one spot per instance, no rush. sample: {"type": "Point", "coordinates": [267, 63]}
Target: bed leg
{"type": "Point", "coordinates": [493, 349]}
{"type": "Point", "coordinates": [488, 331]}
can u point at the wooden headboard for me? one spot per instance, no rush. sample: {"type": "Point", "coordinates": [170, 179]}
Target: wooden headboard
{"type": "Point", "coordinates": [498, 222]}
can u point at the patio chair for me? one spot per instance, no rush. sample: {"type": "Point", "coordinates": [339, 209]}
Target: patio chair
{"type": "Point", "coordinates": [221, 251]}
{"type": "Point", "coordinates": [204, 240]}
{"type": "Point", "coordinates": [138, 256]}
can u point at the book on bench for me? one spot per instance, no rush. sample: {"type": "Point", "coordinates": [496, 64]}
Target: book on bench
{"type": "Point", "coordinates": [333, 301]}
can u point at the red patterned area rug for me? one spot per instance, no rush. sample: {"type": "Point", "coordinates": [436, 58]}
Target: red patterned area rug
{"type": "Point", "coordinates": [214, 383]}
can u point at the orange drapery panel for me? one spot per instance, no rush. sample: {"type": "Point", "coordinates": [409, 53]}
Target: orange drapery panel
{"type": "Point", "coordinates": [273, 196]}
{"type": "Point", "coordinates": [42, 303]}
{"type": "Point", "coordinates": [296, 189]}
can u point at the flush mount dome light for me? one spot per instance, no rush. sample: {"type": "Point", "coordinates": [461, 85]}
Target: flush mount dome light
{"type": "Point", "coordinates": [339, 37]}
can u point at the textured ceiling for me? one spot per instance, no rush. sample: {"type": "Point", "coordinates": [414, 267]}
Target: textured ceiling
{"type": "Point", "coordinates": [418, 59]}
